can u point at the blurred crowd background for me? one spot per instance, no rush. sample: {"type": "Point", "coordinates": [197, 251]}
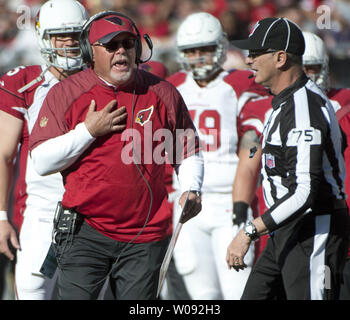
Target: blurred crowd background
{"type": "Point", "coordinates": [160, 18]}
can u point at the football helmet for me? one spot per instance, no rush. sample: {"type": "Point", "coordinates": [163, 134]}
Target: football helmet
{"type": "Point", "coordinates": [201, 30]}
{"type": "Point", "coordinates": [315, 54]}
{"type": "Point", "coordinates": [57, 17]}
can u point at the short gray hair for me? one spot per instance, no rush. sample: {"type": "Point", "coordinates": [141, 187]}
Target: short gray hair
{"type": "Point", "coordinates": [294, 59]}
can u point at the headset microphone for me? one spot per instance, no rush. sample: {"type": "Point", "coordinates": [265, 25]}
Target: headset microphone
{"type": "Point", "coordinates": [148, 40]}
{"type": "Point", "coordinates": [150, 46]}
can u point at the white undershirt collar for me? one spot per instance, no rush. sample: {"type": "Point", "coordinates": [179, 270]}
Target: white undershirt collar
{"type": "Point", "coordinates": [107, 83]}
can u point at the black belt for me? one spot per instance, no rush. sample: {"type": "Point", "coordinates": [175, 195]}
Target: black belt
{"type": "Point", "coordinates": [339, 204]}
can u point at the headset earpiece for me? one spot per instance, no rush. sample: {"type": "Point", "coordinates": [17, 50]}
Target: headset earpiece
{"type": "Point", "coordinates": [150, 46]}
{"type": "Point", "coordinates": [138, 50]}
{"type": "Point", "coordinates": [85, 46]}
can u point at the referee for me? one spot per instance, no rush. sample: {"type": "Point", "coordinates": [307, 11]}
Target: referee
{"type": "Point", "coordinates": [303, 177]}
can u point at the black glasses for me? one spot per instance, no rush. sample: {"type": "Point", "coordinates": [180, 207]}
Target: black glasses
{"type": "Point", "coordinates": [255, 54]}
{"type": "Point", "coordinates": [115, 45]}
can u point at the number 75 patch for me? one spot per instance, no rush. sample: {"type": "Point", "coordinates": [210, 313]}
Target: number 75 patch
{"type": "Point", "coordinates": [297, 136]}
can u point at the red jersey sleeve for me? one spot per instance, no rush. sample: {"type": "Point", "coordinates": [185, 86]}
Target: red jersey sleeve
{"type": "Point", "coordinates": [253, 115]}
{"type": "Point", "coordinates": [340, 99]}
{"type": "Point", "coordinates": [241, 81]}
{"type": "Point", "coordinates": [11, 101]}
{"type": "Point", "coordinates": [177, 78]}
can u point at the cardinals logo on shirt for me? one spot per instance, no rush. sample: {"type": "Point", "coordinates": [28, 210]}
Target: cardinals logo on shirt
{"type": "Point", "coordinates": [144, 115]}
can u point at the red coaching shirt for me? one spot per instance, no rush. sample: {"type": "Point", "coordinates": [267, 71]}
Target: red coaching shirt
{"type": "Point", "coordinates": [104, 184]}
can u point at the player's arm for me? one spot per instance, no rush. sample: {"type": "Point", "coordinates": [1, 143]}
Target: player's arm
{"type": "Point", "coordinates": [246, 178]}
{"type": "Point", "coordinates": [244, 188]}
{"type": "Point", "coordinates": [10, 131]}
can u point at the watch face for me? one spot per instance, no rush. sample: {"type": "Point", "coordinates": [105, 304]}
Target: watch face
{"type": "Point", "coordinates": [249, 228]}
{"type": "Point", "coordinates": [251, 231]}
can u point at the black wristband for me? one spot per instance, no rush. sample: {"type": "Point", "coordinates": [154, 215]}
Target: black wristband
{"type": "Point", "coordinates": [240, 212]}
{"type": "Point", "coordinates": [198, 193]}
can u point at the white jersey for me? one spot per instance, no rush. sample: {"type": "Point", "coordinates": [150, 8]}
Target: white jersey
{"type": "Point", "coordinates": [214, 110]}
{"type": "Point", "coordinates": [35, 196]}
{"type": "Point", "coordinates": [43, 191]}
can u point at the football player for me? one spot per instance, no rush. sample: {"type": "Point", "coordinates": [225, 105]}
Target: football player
{"type": "Point", "coordinates": [215, 99]}
{"type": "Point", "coordinates": [23, 89]}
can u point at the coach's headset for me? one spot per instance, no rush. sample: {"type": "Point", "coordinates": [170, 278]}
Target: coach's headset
{"type": "Point", "coordinates": [85, 46]}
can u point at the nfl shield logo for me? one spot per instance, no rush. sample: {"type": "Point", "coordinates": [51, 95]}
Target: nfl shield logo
{"type": "Point", "coordinates": [270, 160]}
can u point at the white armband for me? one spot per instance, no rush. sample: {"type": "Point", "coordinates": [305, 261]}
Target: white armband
{"type": "Point", "coordinates": [190, 173]}
{"type": "Point", "coordinates": [3, 215]}
{"type": "Point", "coordinates": [59, 153]}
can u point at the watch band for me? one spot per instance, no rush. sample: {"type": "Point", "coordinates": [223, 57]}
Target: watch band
{"type": "Point", "coordinates": [251, 231]}
{"type": "Point", "coordinates": [198, 193]}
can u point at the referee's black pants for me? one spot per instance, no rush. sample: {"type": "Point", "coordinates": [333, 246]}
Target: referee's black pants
{"type": "Point", "coordinates": [303, 260]}
{"type": "Point", "coordinates": [84, 264]}
{"type": "Point", "coordinates": [345, 286]}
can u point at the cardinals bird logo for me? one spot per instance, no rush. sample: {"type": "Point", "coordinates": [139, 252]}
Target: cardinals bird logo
{"type": "Point", "coordinates": [144, 115]}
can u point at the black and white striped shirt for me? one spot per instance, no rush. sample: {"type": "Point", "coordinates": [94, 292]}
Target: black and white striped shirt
{"type": "Point", "coordinates": [302, 162]}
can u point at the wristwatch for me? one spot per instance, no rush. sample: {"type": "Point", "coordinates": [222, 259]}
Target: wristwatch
{"type": "Point", "coordinates": [250, 230]}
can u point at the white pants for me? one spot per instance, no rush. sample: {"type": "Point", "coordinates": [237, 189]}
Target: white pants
{"type": "Point", "coordinates": [200, 252]}
{"type": "Point", "coordinates": [35, 240]}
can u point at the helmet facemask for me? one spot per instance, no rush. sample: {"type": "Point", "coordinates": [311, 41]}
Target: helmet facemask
{"type": "Point", "coordinates": [204, 71]}
{"type": "Point", "coordinates": [200, 30]}
{"type": "Point", "coordinates": [315, 54]}
{"type": "Point", "coordinates": [61, 57]}
{"type": "Point", "coordinates": [63, 18]}
{"type": "Point", "coordinates": [321, 78]}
